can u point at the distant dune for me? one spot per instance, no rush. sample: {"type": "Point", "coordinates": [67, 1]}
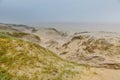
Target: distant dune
{"type": "Point", "coordinates": [77, 27]}
{"type": "Point", "coordinates": [82, 52]}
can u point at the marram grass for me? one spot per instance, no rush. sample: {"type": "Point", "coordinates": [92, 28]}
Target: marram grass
{"type": "Point", "coordinates": [22, 60]}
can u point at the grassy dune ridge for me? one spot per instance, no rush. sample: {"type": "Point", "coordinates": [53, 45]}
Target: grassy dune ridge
{"type": "Point", "coordinates": [22, 60]}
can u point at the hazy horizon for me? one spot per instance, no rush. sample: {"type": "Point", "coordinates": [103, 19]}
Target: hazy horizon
{"type": "Point", "coordinates": [69, 15]}
{"type": "Point", "coordinates": [35, 12]}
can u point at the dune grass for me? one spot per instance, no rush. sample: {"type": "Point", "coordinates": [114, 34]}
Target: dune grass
{"type": "Point", "coordinates": [23, 60]}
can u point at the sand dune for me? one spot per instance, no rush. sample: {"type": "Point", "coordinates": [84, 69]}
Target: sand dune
{"type": "Point", "coordinates": [98, 50]}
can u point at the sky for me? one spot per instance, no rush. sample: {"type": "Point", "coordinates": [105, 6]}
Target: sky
{"type": "Point", "coordinates": [59, 11]}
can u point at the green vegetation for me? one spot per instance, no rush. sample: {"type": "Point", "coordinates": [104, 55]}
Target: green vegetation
{"type": "Point", "coordinates": [4, 75]}
{"type": "Point", "coordinates": [21, 60]}
{"type": "Point", "coordinates": [18, 35]}
{"type": "Point", "coordinates": [2, 35]}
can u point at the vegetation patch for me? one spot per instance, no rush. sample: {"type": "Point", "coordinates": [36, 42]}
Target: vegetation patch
{"type": "Point", "coordinates": [22, 60]}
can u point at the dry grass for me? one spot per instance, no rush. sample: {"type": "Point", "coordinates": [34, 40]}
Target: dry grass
{"type": "Point", "coordinates": [21, 60]}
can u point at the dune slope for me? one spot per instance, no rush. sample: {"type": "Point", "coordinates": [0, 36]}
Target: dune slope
{"type": "Point", "coordinates": [21, 60]}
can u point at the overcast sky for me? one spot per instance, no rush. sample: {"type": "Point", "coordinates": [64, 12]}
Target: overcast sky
{"type": "Point", "coordinates": [44, 11]}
